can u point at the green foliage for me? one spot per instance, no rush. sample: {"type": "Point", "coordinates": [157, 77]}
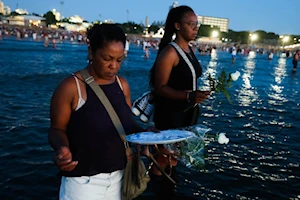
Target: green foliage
{"type": "Point", "coordinates": [65, 20]}
{"type": "Point", "coordinates": [221, 84]}
{"type": "Point", "coordinates": [158, 23]}
{"type": "Point", "coordinates": [191, 151]}
{"type": "Point", "coordinates": [50, 18]}
{"type": "Point", "coordinates": [153, 28]}
{"type": "Point", "coordinates": [132, 28]}
{"type": "Point", "coordinates": [35, 14]}
{"type": "Point", "coordinates": [243, 37]}
{"type": "Point", "coordinates": [14, 13]}
{"type": "Point", "coordinates": [204, 31]}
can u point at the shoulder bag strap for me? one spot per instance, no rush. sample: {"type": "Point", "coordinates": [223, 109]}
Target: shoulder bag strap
{"type": "Point", "coordinates": [111, 111]}
{"type": "Point", "coordinates": [106, 103]}
{"type": "Point", "coordinates": [180, 51]}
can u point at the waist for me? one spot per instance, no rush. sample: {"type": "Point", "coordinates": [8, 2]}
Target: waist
{"type": "Point", "coordinates": [101, 176]}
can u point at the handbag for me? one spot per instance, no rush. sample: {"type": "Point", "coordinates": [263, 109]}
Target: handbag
{"type": "Point", "coordinates": [135, 173]}
{"type": "Point", "coordinates": [144, 106]}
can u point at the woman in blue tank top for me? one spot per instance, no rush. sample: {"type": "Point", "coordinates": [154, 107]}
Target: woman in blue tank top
{"type": "Point", "coordinates": [88, 149]}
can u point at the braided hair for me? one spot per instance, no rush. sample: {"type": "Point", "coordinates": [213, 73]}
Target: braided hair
{"type": "Point", "coordinates": [175, 15]}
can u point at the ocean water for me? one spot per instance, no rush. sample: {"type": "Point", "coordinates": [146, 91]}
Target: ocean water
{"type": "Point", "coordinates": [261, 161]}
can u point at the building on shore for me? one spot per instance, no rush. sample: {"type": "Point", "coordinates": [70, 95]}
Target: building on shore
{"type": "Point", "coordinates": [5, 10]}
{"type": "Point", "coordinates": [174, 5]}
{"type": "Point", "coordinates": [76, 23]}
{"type": "Point", "coordinates": [158, 35]}
{"type": "Point", "coordinates": [21, 11]}
{"type": "Point", "coordinates": [26, 20]}
{"type": "Point", "coordinates": [222, 23]}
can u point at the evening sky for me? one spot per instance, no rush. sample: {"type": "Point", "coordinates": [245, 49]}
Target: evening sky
{"type": "Point", "coordinates": [280, 17]}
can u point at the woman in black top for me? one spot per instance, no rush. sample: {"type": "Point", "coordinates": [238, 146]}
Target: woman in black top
{"type": "Point", "coordinates": [173, 84]}
{"type": "Point", "coordinates": [88, 149]}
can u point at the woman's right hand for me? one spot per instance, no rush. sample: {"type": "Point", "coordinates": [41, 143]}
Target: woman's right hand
{"type": "Point", "coordinates": [63, 159]}
{"type": "Point", "coordinates": [198, 96]}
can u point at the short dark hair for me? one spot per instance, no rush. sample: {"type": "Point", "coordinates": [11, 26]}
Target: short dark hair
{"type": "Point", "coordinates": [100, 34]}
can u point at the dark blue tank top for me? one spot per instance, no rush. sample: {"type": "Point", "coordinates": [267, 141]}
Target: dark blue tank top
{"type": "Point", "coordinates": [94, 140]}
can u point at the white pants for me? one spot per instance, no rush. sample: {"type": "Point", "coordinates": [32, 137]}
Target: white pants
{"type": "Point", "coordinates": [106, 186]}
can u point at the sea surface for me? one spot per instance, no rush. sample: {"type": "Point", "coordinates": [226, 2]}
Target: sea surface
{"type": "Point", "coordinates": [261, 161]}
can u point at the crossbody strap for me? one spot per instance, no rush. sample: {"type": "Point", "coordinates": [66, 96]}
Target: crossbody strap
{"type": "Point", "coordinates": [180, 51]}
{"type": "Point", "coordinates": [106, 103]}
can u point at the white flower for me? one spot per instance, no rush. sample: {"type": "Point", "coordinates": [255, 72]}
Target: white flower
{"type": "Point", "coordinates": [222, 139]}
{"type": "Point", "coordinates": [234, 76]}
{"type": "Point", "coordinates": [191, 159]}
{"type": "Point", "coordinates": [210, 71]}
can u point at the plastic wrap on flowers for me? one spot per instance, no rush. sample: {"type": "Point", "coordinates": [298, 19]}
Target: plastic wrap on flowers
{"type": "Point", "coordinates": [191, 151]}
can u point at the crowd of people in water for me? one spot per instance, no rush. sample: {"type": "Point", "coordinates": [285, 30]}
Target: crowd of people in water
{"type": "Point", "coordinates": [52, 37]}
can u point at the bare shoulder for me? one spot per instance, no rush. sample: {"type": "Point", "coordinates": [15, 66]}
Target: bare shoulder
{"type": "Point", "coordinates": [124, 82]}
{"type": "Point", "coordinates": [126, 90]}
{"type": "Point", "coordinates": [169, 51]}
{"type": "Point", "coordinates": [168, 56]}
{"type": "Point", "coordinates": [66, 87]}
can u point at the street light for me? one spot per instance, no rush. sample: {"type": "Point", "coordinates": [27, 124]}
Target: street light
{"type": "Point", "coordinates": [285, 39]}
{"type": "Point", "coordinates": [215, 34]}
{"type": "Point", "coordinates": [253, 37]}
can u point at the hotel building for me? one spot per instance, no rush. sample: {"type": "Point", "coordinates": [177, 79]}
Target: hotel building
{"type": "Point", "coordinates": [222, 23]}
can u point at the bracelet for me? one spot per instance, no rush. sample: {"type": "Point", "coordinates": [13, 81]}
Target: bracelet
{"type": "Point", "coordinates": [188, 96]}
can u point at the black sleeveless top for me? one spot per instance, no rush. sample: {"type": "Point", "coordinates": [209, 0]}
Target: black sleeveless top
{"type": "Point", "coordinates": [169, 111]}
{"type": "Point", "coordinates": [94, 141]}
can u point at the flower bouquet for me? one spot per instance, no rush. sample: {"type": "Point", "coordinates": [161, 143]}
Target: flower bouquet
{"type": "Point", "coordinates": [223, 82]}
{"type": "Point", "coordinates": [191, 152]}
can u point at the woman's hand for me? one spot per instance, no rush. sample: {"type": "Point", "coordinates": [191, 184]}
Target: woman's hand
{"type": "Point", "coordinates": [63, 159]}
{"type": "Point", "coordinates": [198, 96]}
{"type": "Point", "coordinates": [151, 129]}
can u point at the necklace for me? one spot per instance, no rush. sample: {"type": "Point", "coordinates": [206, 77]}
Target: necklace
{"type": "Point", "coordinates": [190, 55]}
{"type": "Point", "coordinates": [187, 51]}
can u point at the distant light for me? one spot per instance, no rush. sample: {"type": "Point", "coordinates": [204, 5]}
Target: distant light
{"type": "Point", "coordinates": [215, 34]}
{"type": "Point", "coordinates": [286, 38]}
{"type": "Point", "coordinates": [253, 37]}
